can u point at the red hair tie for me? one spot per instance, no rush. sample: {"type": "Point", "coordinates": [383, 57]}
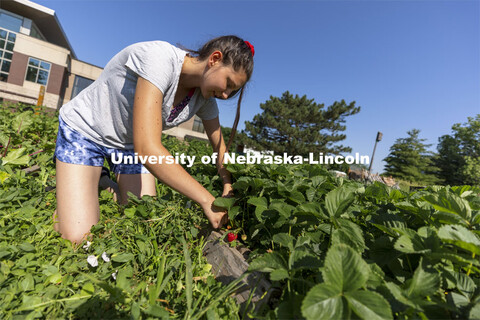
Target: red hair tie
{"type": "Point", "coordinates": [251, 47]}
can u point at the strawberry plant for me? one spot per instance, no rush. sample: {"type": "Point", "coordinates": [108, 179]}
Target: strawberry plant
{"type": "Point", "coordinates": [338, 249]}
{"type": "Point", "coordinates": [332, 248]}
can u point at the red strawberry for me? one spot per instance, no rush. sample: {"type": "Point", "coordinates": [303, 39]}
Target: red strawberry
{"type": "Point", "coordinates": [231, 236]}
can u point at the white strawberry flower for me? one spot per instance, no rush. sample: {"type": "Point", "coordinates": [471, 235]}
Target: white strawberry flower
{"type": "Point", "coordinates": [105, 257]}
{"type": "Point", "coordinates": [92, 260]}
{"type": "Point", "coordinates": [87, 245]}
{"type": "Point", "coordinates": [114, 275]}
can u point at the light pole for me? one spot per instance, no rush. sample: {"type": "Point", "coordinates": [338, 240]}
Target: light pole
{"type": "Point", "coordinates": [379, 138]}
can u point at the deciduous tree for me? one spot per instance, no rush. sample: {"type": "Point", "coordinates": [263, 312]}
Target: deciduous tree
{"type": "Point", "coordinates": [459, 154]}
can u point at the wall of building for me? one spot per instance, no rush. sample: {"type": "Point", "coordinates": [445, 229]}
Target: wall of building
{"type": "Point", "coordinates": [82, 69]}
{"type": "Point", "coordinates": [18, 89]}
{"type": "Point", "coordinates": [185, 129]}
{"type": "Point", "coordinates": [63, 69]}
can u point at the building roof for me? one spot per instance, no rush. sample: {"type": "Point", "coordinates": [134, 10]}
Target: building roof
{"type": "Point", "coordinates": [45, 19]}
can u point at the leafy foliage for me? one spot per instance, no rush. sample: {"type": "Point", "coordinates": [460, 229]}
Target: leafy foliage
{"type": "Point", "coordinates": [144, 260]}
{"type": "Point", "coordinates": [334, 248]}
{"type": "Point", "coordinates": [339, 250]}
{"type": "Point", "coordinates": [459, 154]}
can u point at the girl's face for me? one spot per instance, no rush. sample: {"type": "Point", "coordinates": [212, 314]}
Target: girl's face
{"type": "Point", "coordinates": [220, 81]}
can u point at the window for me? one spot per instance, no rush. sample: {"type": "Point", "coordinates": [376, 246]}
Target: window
{"type": "Point", "coordinates": [35, 32]}
{"type": "Point", "coordinates": [198, 125]}
{"type": "Point", "coordinates": [79, 84]}
{"type": "Point", "coordinates": [7, 41]}
{"type": "Point", "coordinates": [10, 21]}
{"type": "Point", "coordinates": [37, 71]}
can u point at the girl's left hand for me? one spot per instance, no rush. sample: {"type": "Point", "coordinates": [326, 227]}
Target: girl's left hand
{"type": "Point", "coordinates": [227, 190]}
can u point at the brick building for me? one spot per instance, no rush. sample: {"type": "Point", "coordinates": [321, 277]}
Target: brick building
{"type": "Point", "coordinates": [35, 52]}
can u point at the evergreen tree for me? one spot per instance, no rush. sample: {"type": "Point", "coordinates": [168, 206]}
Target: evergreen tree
{"type": "Point", "coordinates": [409, 160]}
{"type": "Point", "coordinates": [297, 125]}
{"type": "Point", "coordinates": [459, 154]}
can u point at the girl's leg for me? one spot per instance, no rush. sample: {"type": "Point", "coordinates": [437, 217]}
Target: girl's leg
{"type": "Point", "coordinates": [77, 200]}
{"type": "Point", "coordinates": [139, 184]}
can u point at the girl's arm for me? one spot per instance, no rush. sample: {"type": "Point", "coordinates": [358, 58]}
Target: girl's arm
{"type": "Point", "coordinates": [147, 140]}
{"type": "Point", "coordinates": [214, 133]}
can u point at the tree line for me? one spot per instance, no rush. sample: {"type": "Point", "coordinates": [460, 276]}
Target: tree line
{"type": "Point", "coordinates": [297, 125]}
{"type": "Point", "coordinates": [456, 162]}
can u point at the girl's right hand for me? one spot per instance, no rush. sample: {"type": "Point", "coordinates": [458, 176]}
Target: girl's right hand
{"type": "Point", "coordinates": [217, 216]}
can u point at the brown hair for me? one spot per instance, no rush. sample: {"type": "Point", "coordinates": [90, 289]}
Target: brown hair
{"type": "Point", "coordinates": [235, 53]}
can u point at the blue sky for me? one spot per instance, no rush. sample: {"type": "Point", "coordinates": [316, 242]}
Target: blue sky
{"type": "Point", "coordinates": [408, 64]}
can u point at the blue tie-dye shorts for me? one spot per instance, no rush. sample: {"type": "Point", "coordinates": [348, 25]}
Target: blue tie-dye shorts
{"type": "Point", "coordinates": [74, 148]}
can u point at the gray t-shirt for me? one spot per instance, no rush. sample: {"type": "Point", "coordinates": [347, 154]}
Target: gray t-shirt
{"type": "Point", "coordinates": [103, 112]}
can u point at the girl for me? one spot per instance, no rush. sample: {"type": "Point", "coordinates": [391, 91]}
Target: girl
{"type": "Point", "coordinates": [145, 88]}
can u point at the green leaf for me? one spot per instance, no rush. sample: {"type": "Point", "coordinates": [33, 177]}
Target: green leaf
{"type": "Point", "coordinates": [411, 244]}
{"type": "Point", "coordinates": [3, 176]}
{"type": "Point", "coordinates": [318, 180]}
{"type": "Point", "coordinates": [296, 197]}
{"type": "Point", "coordinates": [268, 263]}
{"type": "Point", "coordinates": [461, 237]}
{"type": "Point", "coordinates": [463, 191]}
{"type": "Point", "coordinates": [28, 247]}
{"type": "Point", "coordinates": [302, 258]}
{"type": "Point", "coordinates": [130, 212]}
{"type": "Point", "coordinates": [310, 193]}
{"type": "Point", "coordinates": [465, 284]}
{"type": "Point", "coordinates": [350, 234]}
{"type": "Point", "coordinates": [323, 301]}
{"type": "Point", "coordinates": [377, 190]}
{"type": "Point", "coordinates": [399, 295]}
{"type": "Point", "coordinates": [22, 121]}
{"type": "Point", "coordinates": [453, 257]}
{"type": "Point", "coordinates": [395, 195]}
{"type": "Point", "coordinates": [233, 212]}
{"type": "Point", "coordinates": [338, 200]}
{"type": "Point", "coordinates": [449, 218]}
{"type": "Point", "coordinates": [157, 311]}
{"type": "Point", "coordinates": [241, 184]}
{"type": "Point", "coordinates": [279, 274]}
{"type": "Point", "coordinates": [88, 289]}
{"type": "Point", "coordinates": [224, 202]}
{"type": "Point", "coordinates": [424, 283]}
{"type": "Point", "coordinates": [284, 239]}
{"type": "Point", "coordinates": [3, 139]}
{"type": "Point", "coordinates": [16, 157]}
{"type": "Point", "coordinates": [290, 307]}
{"type": "Point", "coordinates": [258, 202]}
{"type": "Point", "coordinates": [313, 208]}
{"type": "Point", "coordinates": [281, 207]}
{"type": "Point", "coordinates": [449, 203]}
{"type": "Point", "coordinates": [122, 257]}
{"type": "Point", "coordinates": [28, 283]}
{"type": "Point", "coordinates": [345, 269]}
{"type": "Point", "coordinates": [474, 312]}
{"type": "Point", "coordinates": [261, 205]}
{"type": "Point", "coordinates": [369, 305]}
{"type": "Point", "coordinates": [30, 302]}
{"type": "Point", "coordinates": [302, 240]}
{"type": "Point", "coordinates": [136, 313]}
